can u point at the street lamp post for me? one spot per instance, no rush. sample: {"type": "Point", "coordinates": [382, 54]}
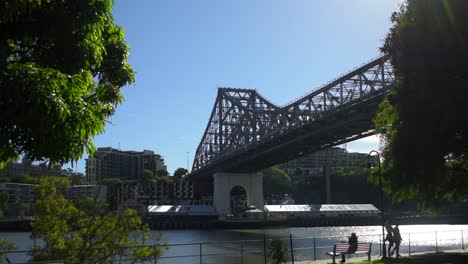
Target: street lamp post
{"type": "Point", "coordinates": [384, 250]}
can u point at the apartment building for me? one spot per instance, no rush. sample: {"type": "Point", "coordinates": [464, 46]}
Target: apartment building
{"type": "Point", "coordinates": [173, 191]}
{"type": "Point", "coordinates": [26, 167]}
{"type": "Point", "coordinates": [23, 194]}
{"type": "Point", "coordinates": [109, 162]}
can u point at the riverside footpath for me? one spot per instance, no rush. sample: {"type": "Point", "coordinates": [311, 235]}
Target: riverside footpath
{"type": "Point", "coordinates": [420, 257]}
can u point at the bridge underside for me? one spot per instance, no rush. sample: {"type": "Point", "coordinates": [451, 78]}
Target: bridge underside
{"type": "Point", "coordinates": [351, 122]}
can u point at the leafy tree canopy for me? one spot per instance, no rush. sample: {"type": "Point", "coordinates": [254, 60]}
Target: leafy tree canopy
{"type": "Point", "coordinates": [162, 173]}
{"type": "Point", "coordinates": [73, 176]}
{"type": "Point", "coordinates": [87, 232]}
{"type": "Point", "coordinates": [62, 64]}
{"type": "Point", "coordinates": [26, 178]}
{"type": "Point", "coordinates": [148, 175]}
{"type": "Point", "coordinates": [5, 245]}
{"type": "Point", "coordinates": [275, 182]}
{"type": "Point", "coordinates": [179, 172]}
{"type": "Point", "coordinates": [278, 250]}
{"type": "Point", "coordinates": [5, 179]}
{"type": "Point", "coordinates": [110, 181]}
{"type": "Point", "coordinates": [164, 178]}
{"type": "Point", "coordinates": [424, 120]}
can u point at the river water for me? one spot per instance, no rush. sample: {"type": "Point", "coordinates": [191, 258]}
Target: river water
{"type": "Point", "coordinates": [309, 243]}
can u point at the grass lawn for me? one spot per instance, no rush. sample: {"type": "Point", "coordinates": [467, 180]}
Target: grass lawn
{"type": "Point", "coordinates": [441, 258]}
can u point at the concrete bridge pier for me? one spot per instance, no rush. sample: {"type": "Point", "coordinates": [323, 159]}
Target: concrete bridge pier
{"type": "Point", "coordinates": [224, 182]}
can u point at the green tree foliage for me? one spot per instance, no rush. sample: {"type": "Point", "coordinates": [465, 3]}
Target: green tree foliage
{"type": "Point", "coordinates": [112, 185]}
{"type": "Point", "coordinates": [162, 173]}
{"type": "Point", "coordinates": [424, 121]}
{"type": "Point", "coordinates": [26, 178]}
{"type": "Point", "coordinates": [110, 181]}
{"type": "Point", "coordinates": [148, 175]}
{"type": "Point", "coordinates": [278, 250]}
{"type": "Point", "coordinates": [306, 190]}
{"type": "Point", "coordinates": [23, 209]}
{"type": "Point", "coordinates": [354, 187]}
{"type": "Point", "coordinates": [74, 177]}
{"type": "Point", "coordinates": [275, 182]}
{"type": "Point", "coordinates": [62, 64]}
{"type": "Point", "coordinates": [5, 179]}
{"type": "Point", "coordinates": [180, 172]}
{"type": "Point", "coordinates": [164, 178]}
{"type": "Point", "coordinates": [87, 233]}
{"type": "Point", "coordinates": [5, 245]}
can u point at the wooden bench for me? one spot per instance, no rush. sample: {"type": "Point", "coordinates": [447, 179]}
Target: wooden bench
{"type": "Point", "coordinates": [342, 248]}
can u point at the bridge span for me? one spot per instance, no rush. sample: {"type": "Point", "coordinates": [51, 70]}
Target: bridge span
{"type": "Point", "coordinates": [247, 133]}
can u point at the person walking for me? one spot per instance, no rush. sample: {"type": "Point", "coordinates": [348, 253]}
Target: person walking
{"type": "Point", "coordinates": [353, 243]}
{"type": "Point", "coordinates": [397, 239]}
{"type": "Point", "coordinates": [390, 239]}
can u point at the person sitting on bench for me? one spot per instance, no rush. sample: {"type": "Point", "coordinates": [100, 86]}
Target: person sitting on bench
{"type": "Point", "coordinates": [353, 243]}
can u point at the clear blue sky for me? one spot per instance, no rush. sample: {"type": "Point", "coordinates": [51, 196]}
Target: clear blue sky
{"type": "Point", "coordinates": [183, 50]}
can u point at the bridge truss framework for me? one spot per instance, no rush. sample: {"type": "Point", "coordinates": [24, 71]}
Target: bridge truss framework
{"type": "Point", "coordinates": [246, 132]}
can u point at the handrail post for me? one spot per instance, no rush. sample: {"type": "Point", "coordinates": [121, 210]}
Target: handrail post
{"type": "Point", "coordinates": [315, 252]}
{"type": "Point", "coordinates": [201, 253]}
{"type": "Point", "coordinates": [242, 252]}
{"type": "Point", "coordinates": [292, 248]}
{"type": "Point", "coordinates": [264, 249]}
{"type": "Point", "coordinates": [437, 247]}
{"type": "Point", "coordinates": [463, 242]}
{"type": "Point", "coordinates": [380, 246]}
{"type": "Point", "coordinates": [155, 255]}
{"type": "Point", "coordinates": [409, 244]}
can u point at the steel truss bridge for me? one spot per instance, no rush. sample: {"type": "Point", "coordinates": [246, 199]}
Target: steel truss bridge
{"type": "Point", "coordinates": [247, 133]}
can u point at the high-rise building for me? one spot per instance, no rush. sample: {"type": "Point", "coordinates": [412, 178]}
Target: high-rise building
{"type": "Point", "coordinates": [108, 162]}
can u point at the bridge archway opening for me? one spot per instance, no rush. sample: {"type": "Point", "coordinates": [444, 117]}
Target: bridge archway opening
{"type": "Point", "coordinates": [237, 191]}
{"type": "Point", "coordinates": [238, 199]}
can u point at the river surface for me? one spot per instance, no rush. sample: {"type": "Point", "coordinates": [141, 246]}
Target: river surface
{"type": "Point", "coordinates": [225, 246]}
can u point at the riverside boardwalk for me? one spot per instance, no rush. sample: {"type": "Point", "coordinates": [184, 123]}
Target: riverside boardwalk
{"type": "Point", "coordinates": [357, 259]}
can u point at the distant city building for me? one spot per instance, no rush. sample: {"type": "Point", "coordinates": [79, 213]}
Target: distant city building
{"type": "Point", "coordinates": [108, 162]}
{"type": "Point", "coordinates": [23, 193]}
{"type": "Point", "coordinates": [78, 192]}
{"type": "Point", "coordinates": [336, 158]}
{"type": "Point", "coordinates": [156, 192]}
{"type": "Point", "coordinates": [18, 192]}
{"type": "Point", "coordinates": [26, 167]}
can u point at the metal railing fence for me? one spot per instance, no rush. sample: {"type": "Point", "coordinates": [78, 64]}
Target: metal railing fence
{"type": "Point", "coordinates": [299, 248]}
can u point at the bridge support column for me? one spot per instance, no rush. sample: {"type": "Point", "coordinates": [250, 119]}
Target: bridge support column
{"type": "Point", "coordinates": [327, 175]}
{"type": "Point", "coordinates": [224, 182]}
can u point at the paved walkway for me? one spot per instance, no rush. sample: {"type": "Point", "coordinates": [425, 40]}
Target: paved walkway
{"type": "Point", "coordinates": [362, 257]}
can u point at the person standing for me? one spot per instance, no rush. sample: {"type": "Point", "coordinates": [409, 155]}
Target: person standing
{"type": "Point", "coordinates": [353, 243]}
{"type": "Point", "coordinates": [390, 240]}
{"type": "Point", "coordinates": [397, 239]}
